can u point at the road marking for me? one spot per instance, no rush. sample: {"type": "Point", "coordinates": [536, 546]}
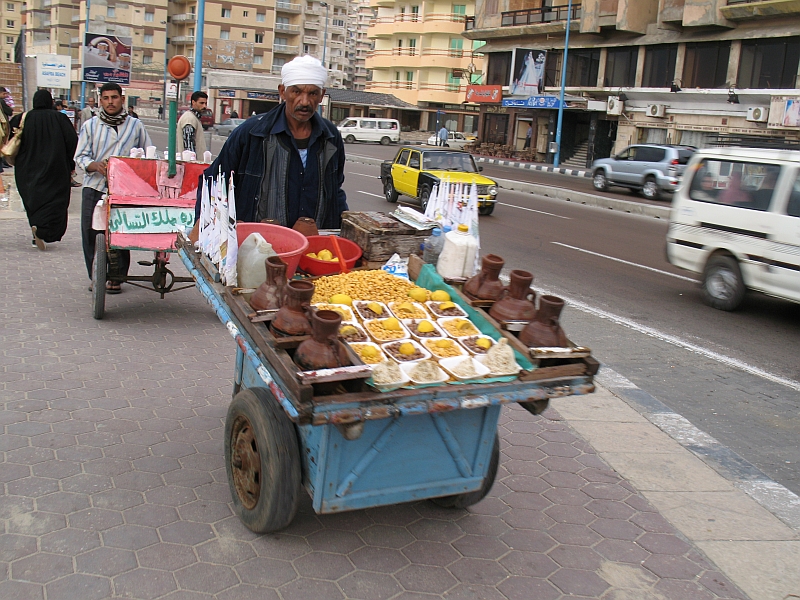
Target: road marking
{"type": "Point", "coordinates": [370, 194]}
{"type": "Point", "coordinates": [626, 262]}
{"type": "Point", "coordinates": [363, 174]}
{"type": "Point", "coordinates": [541, 212]}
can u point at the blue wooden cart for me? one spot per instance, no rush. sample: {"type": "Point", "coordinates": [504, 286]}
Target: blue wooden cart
{"type": "Point", "coordinates": [362, 448]}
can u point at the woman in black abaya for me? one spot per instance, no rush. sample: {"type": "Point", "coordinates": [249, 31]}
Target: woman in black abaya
{"type": "Point", "coordinates": [43, 168]}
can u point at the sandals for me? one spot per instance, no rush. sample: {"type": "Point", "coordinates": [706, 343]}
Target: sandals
{"type": "Point", "coordinates": [113, 287]}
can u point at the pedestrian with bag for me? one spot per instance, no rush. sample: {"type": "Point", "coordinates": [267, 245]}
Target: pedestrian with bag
{"type": "Point", "coordinates": [111, 133]}
{"type": "Point", "coordinates": [46, 142]}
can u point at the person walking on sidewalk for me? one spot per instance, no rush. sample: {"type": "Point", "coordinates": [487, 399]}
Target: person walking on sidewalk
{"type": "Point", "coordinates": [89, 111]}
{"type": "Point", "coordinates": [111, 133]}
{"type": "Point", "coordinates": [528, 137]}
{"type": "Point", "coordinates": [442, 136]}
{"type": "Point", "coordinates": [43, 167]}
{"type": "Point", "coordinates": [190, 129]}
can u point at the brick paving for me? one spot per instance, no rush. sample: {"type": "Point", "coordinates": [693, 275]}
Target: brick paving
{"type": "Point", "coordinates": [114, 484]}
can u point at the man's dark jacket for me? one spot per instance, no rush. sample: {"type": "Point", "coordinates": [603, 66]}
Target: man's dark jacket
{"type": "Point", "coordinates": [244, 152]}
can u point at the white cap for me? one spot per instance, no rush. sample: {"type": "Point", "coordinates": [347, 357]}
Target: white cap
{"type": "Point", "coordinates": [304, 70]}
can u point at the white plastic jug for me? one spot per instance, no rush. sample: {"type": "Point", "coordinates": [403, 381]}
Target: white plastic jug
{"type": "Point", "coordinates": [458, 256]}
{"type": "Point", "coordinates": [250, 261]}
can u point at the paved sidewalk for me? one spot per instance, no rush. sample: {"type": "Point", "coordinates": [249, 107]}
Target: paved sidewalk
{"type": "Point", "coordinates": [114, 484]}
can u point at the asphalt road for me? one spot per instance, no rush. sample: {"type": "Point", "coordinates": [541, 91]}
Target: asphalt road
{"type": "Point", "coordinates": [736, 376]}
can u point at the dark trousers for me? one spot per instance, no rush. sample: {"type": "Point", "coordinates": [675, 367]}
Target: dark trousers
{"type": "Point", "coordinates": [118, 260]}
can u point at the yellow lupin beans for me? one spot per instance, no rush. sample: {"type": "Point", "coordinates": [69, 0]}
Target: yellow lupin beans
{"type": "Point", "coordinates": [363, 285]}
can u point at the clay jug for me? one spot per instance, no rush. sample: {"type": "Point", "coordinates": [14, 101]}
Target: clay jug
{"type": "Point", "coordinates": [270, 294]}
{"type": "Point", "coordinates": [517, 302]}
{"type": "Point", "coordinates": [322, 350]}
{"type": "Point", "coordinates": [545, 330]}
{"type": "Point", "coordinates": [486, 285]}
{"type": "Point", "coordinates": [291, 319]}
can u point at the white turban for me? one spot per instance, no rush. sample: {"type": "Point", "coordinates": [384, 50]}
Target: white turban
{"type": "Point", "coordinates": [304, 70]}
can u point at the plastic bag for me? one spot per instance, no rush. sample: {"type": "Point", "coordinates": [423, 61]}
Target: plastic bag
{"type": "Point", "coordinates": [99, 222]}
{"type": "Point", "coordinates": [396, 266]}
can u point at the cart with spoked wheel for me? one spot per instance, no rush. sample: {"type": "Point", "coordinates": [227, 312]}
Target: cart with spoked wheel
{"type": "Point", "coordinates": [144, 210]}
{"type": "Point", "coordinates": [360, 448]}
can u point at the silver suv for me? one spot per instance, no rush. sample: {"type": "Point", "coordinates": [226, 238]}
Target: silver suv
{"type": "Point", "coordinates": [650, 168]}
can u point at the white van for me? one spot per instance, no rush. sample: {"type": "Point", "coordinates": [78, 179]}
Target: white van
{"type": "Point", "coordinates": [736, 220]}
{"type": "Point", "coordinates": [363, 129]}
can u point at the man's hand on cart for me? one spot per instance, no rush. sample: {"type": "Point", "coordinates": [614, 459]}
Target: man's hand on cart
{"type": "Point", "coordinates": [100, 167]}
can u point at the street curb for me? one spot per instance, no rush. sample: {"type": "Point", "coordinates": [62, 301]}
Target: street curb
{"type": "Point", "coordinates": [627, 206]}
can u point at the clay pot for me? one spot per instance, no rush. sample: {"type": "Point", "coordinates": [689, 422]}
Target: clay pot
{"type": "Point", "coordinates": [517, 302]}
{"type": "Point", "coordinates": [323, 350]}
{"type": "Point", "coordinates": [292, 317]}
{"type": "Point", "coordinates": [545, 330]}
{"type": "Point", "coordinates": [306, 225]}
{"type": "Point", "coordinates": [271, 293]}
{"type": "Point", "coordinates": [486, 285]}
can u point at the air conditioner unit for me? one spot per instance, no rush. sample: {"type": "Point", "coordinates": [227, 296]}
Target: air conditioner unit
{"type": "Point", "coordinates": [614, 105]}
{"type": "Point", "coordinates": [656, 110]}
{"type": "Point", "coordinates": [758, 114]}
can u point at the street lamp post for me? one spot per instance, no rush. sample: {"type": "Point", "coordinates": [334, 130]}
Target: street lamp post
{"type": "Point", "coordinates": [198, 45]}
{"type": "Point", "coordinates": [166, 59]}
{"type": "Point", "coordinates": [85, 31]}
{"type": "Point", "coordinates": [325, 34]}
{"type": "Point", "coordinates": [557, 157]}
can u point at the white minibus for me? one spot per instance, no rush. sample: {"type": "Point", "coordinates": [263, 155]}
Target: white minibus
{"type": "Point", "coordinates": [363, 129]}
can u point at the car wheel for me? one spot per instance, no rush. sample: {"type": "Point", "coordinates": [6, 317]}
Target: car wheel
{"type": "Point", "coordinates": [385, 141]}
{"type": "Point", "coordinates": [650, 189]}
{"type": "Point", "coordinates": [723, 287]}
{"type": "Point", "coordinates": [424, 197]}
{"type": "Point", "coordinates": [599, 181]}
{"type": "Point", "coordinates": [349, 139]}
{"type": "Point", "coordinates": [389, 191]}
{"type": "Point", "coordinates": [486, 210]}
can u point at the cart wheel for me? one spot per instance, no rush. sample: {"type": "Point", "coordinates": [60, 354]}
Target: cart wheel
{"type": "Point", "coordinates": [99, 271]}
{"type": "Point", "coordinates": [469, 498]}
{"type": "Point", "coordinates": [262, 459]}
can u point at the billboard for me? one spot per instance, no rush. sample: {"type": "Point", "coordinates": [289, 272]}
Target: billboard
{"type": "Point", "coordinates": [527, 72]}
{"type": "Point", "coordinates": [485, 94]}
{"type": "Point", "coordinates": [228, 54]}
{"type": "Point", "coordinates": [107, 58]}
{"type": "Point", "coordinates": [53, 70]}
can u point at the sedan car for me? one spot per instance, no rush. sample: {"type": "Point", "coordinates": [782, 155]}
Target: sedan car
{"type": "Point", "coordinates": [455, 139]}
{"type": "Point", "coordinates": [226, 127]}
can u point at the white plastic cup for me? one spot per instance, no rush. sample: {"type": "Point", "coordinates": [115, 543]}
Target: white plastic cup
{"type": "Point", "coordinates": [207, 157]}
{"type": "Point", "coordinates": [150, 152]}
{"type": "Point", "coordinates": [134, 153]}
{"type": "Point", "coordinates": [166, 154]}
{"type": "Point", "coordinates": [187, 155]}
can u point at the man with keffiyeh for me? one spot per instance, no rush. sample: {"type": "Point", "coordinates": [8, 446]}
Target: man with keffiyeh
{"type": "Point", "coordinates": [111, 133]}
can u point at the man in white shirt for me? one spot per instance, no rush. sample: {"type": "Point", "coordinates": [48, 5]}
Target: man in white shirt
{"type": "Point", "coordinates": [89, 110]}
{"type": "Point", "coordinates": [111, 133]}
{"type": "Point", "coordinates": [190, 128]}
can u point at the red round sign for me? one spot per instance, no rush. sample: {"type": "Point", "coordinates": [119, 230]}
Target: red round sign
{"type": "Point", "coordinates": [179, 67]}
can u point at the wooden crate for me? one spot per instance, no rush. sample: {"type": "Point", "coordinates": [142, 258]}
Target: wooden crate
{"type": "Point", "coordinates": [380, 236]}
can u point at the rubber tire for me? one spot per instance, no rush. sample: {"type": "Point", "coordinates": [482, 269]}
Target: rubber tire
{"type": "Point", "coordinates": [469, 498]}
{"type": "Point", "coordinates": [486, 210]}
{"type": "Point", "coordinates": [600, 181]}
{"type": "Point", "coordinates": [424, 197]}
{"type": "Point", "coordinates": [349, 139]}
{"type": "Point", "coordinates": [99, 276]}
{"type": "Point", "coordinates": [385, 141]}
{"type": "Point", "coordinates": [279, 472]}
{"type": "Point", "coordinates": [722, 286]}
{"type": "Point", "coordinates": [389, 192]}
{"type": "Point", "coordinates": [650, 189]}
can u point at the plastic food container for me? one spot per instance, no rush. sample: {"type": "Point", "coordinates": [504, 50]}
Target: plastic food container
{"type": "Point", "coordinates": [419, 311]}
{"type": "Point", "coordinates": [433, 308]}
{"type": "Point", "coordinates": [375, 330]}
{"type": "Point", "coordinates": [454, 350]}
{"type": "Point", "coordinates": [411, 326]}
{"type": "Point", "coordinates": [356, 338]}
{"type": "Point", "coordinates": [360, 306]}
{"type": "Point", "coordinates": [389, 387]}
{"type": "Point", "coordinates": [358, 348]}
{"type": "Point", "coordinates": [288, 243]}
{"type": "Point", "coordinates": [352, 252]}
{"type": "Point", "coordinates": [450, 363]}
{"type": "Point", "coordinates": [342, 309]}
{"type": "Point", "coordinates": [408, 367]}
{"type": "Point", "coordinates": [464, 341]}
{"type": "Point", "coordinates": [457, 333]}
{"type": "Point", "coordinates": [399, 358]}
{"type": "Point", "coordinates": [482, 359]}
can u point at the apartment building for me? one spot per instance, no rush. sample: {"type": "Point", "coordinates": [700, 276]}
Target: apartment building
{"type": "Point", "coordinates": [10, 23]}
{"type": "Point", "coordinates": [666, 71]}
{"type": "Point", "coordinates": [422, 57]}
{"type": "Point", "coordinates": [361, 15]}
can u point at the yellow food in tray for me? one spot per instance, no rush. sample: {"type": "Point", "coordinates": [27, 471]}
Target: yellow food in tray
{"type": "Point", "coordinates": [369, 353]}
{"type": "Point", "coordinates": [365, 285]}
{"type": "Point", "coordinates": [408, 310]}
{"type": "Point", "coordinates": [386, 330]}
{"type": "Point", "coordinates": [444, 348]}
{"type": "Point", "coordinates": [458, 327]}
{"type": "Point", "coordinates": [347, 314]}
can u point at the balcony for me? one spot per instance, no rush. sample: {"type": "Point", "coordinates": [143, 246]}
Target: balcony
{"type": "Point", "coordinates": [739, 10]}
{"type": "Point", "coordinates": [425, 58]}
{"type": "Point", "coordinates": [284, 49]}
{"type": "Point", "coordinates": [288, 7]}
{"type": "Point", "coordinates": [406, 23]}
{"type": "Point", "coordinates": [538, 16]}
{"type": "Point", "coordinates": [276, 70]}
{"type": "Point", "coordinates": [311, 40]}
{"type": "Point", "coordinates": [312, 24]}
{"type": "Point", "coordinates": [184, 18]}
{"type": "Point", "coordinates": [287, 28]}
{"type": "Point", "coordinates": [181, 40]}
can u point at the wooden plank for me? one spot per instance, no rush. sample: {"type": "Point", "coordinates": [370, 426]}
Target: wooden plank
{"type": "Point", "coordinates": [337, 374]}
{"type": "Point", "coordinates": [568, 370]}
{"type": "Point", "coordinates": [164, 242]}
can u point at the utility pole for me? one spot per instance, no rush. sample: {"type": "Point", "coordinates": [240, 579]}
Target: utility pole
{"type": "Point", "coordinates": [83, 50]}
{"type": "Point", "coordinates": [557, 159]}
{"type": "Point", "coordinates": [198, 45]}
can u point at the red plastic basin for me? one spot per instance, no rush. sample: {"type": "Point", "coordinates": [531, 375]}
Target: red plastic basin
{"type": "Point", "coordinates": [288, 243]}
{"type": "Point", "coordinates": [352, 252]}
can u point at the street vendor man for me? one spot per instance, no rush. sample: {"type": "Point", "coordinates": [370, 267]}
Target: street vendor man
{"type": "Point", "coordinates": [288, 163]}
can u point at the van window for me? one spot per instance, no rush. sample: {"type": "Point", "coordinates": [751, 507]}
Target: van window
{"type": "Point", "coordinates": [368, 125]}
{"type": "Point", "coordinates": [403, 157]}
{"type": "Point", "coordinates": [649, 154]}
{"type": "Point", "coordinates": [793, 208]}
{"type": "Point", "coordinates": [385, 125]}
{"type": "Point", "coordinates": [734, 183]}
{"type": "Point", "coordinates": [414, 162]}
{"type": "Point", "coordinates": [349, 123]}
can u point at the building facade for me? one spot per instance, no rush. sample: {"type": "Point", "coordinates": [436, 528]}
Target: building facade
{"type": "Point", "coordinates": [10, 23]}
{"type": "Point", "coordinates": [663, 71]}
{"type": "Point", "coordinates": [361, 15]}
{"type": "Point", "coordinates": [421, 56]}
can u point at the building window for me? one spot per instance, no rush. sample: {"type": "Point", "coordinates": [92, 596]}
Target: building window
{"type": "Point", "coordinates": [10, 6]}
{"type": "Point", "coordinates": [111, 11]}
{"type": "Point", "coordinates": [8, 56]}
{"type": "Point", "coordinates": [191, 31]}
{"type": "Point", "coordinates": [582, 68]}
{"type": "Point", "coordinates": [769, 64]}
{"type": "Point", "coordinates": [9, 23]}
{"type": "Point", "coordinates": [226, 13]}
{"type": "Point", "coordinates": [499, 70]}
{"type": "Point", "coordinates": [10, 39]}
{"type": "Point", "coordinates": [244, 35]}
{"type": "Point", "coordinates": [258, 59]}
{"type": "Point", "coordinates": [456, 47]}
{"type": "Point", "coordinates": [261, 17]}
{"type": "Point", "coordinates": [224, 35]}
{"type": "Point", "coordinates": [459, 9]}
{"type": "Point", "coordinates": [149, 17]}
{"type": "Point", "coordinates": [706, 65]}
{"type": "Point", "coordinates": [453, 83]}
{"type": "Point", "coordinates": [621, 67]}
{"type": "Point", "coordinates": [415, 13]}
{"type": "Point", "coordinates": [659, 66]}
{"type": "Point", "coordinates": [259, 38]}
{"type": "Point", "coordinates": [148, 38]}
{"type": "Point", "coordinates": [412, 46]}
{"type": "Point", "coordinates": [245, 13]}
{"type": "Point", "coordinates": [147, 60]}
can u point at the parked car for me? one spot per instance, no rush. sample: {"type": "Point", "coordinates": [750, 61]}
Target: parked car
{"type": "Point", "coordinates": [414, 171]}
{"type": "Point", "coordinates": [653, 169]}
{"type": "Point", "coordinates": [455, 139]}
{"type": "Point", "coordinates": [206, 117]}
{"type": "Point", "coordinates": [365, 129]}
{"type": "Point", "coordinates": [226, 127]}
{"type": "Point", "coordinates": [736, 221]}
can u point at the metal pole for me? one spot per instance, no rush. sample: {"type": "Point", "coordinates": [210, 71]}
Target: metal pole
{"type": "Point", "coordinates": [85, 31]}
{"type": "Point", "coordinates": [325, 34]}
{"type": "Point", "coordinates": [166, 59]}
{"type": "Point", "coordinates": [557, 158]}
{"type": "Point", "coordinates": [198, 45]}
{"type": "Point", "coordinates": [172, 141]}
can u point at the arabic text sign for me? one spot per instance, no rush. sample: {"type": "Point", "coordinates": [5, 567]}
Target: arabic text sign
{"type": "Point", "coordinates": [150, 219]}
{"type": "Point", "coordinates": [533, 102]}
{"type": "Point", "coordinates": [485, 93]}
{"type": "Point", "coordinates": [53, 70]}
{"type": "Point", "coordinates": [107, 58]}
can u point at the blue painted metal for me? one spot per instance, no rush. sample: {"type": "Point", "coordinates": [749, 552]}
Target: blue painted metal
{"type": "Point", "coordinates": [198, 46]}
{"type": "Point", "coordinates": [557, 158]}
{"type": "Point", "coordinates": [453, 448]}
